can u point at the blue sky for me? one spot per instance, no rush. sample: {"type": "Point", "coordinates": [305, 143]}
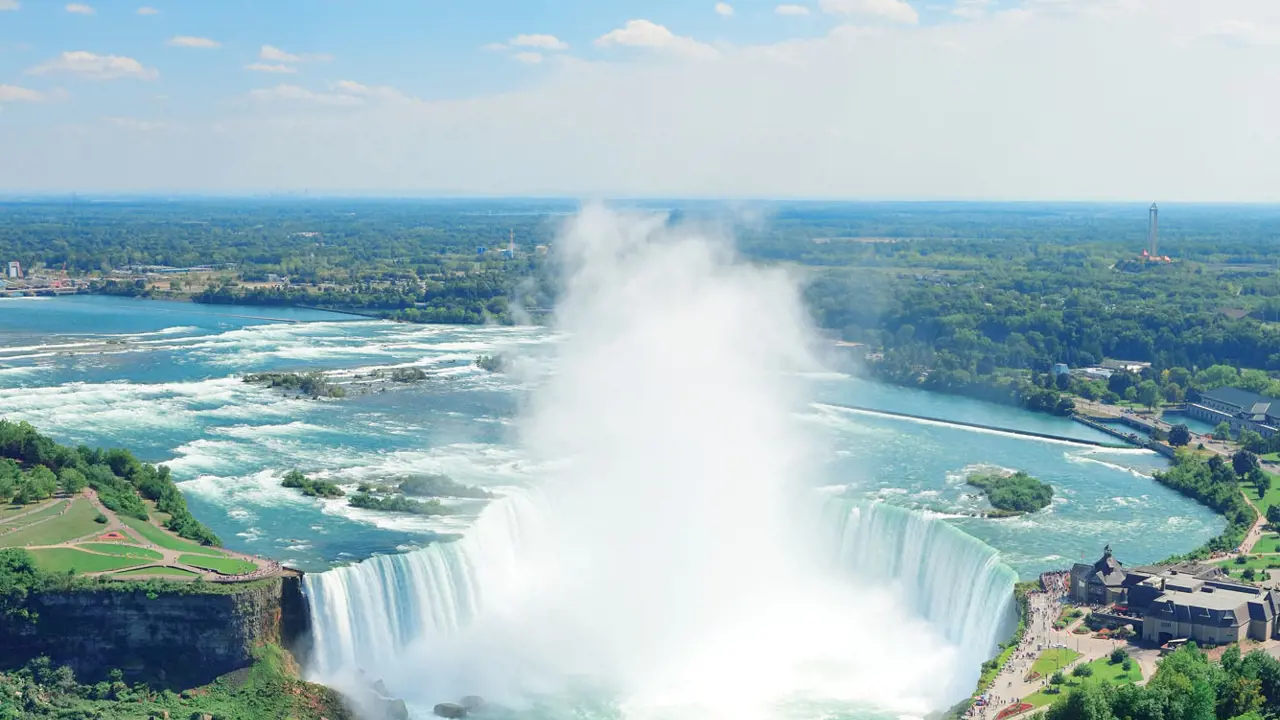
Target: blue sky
{"type": "Point", "coordinates": [1000, 99]}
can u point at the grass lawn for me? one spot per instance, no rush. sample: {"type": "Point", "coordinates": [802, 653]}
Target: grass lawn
{"type": "Point", "coordinates": [159, 516]}
{"type": "Point", "coordinates": [1069, 614]}
{"type": "Point", "coordinates": [165, 539]}
{"type": "Point", "coordinates": [1053, 659]}
{"type": "Point", "coordinates": [225, 565]}
{"type": "Point", "coordinates": [1253, 561]}
{"type": "Point", "coordinates": [1268, 543]}
{"type": "Point", "coordinates": [63, 560]}
{"type": "Point", "coordinates": [1103, 671]}
{"type": "Point", "coordinates": [1271, 457]}
{"type": "Point", "coordinates": [36, 516]}
{"type": "Point", "coordinates": [1271, 498]}
{"type": "Point", "coordinates": [77, 522]}
{"type": "Point", "coordinates": [169, 572]}
{"type": "Point", "coordinates": [7, 511]}
{"type": "Point", "coordinates": [120, 550]}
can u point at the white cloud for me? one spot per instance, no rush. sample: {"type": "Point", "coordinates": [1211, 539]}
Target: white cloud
{"type": "Point", "coordinates": [1244, 33]}
{"type": "Point", "coordinates": [791, 10]}
{"type": "Point", "coordinates": [646, 34]}
{"type": "Point", "coordinates": [135, 124]}
{"type": "Point", "coordinates": [892, 10]}
{"type": "Point", "coordinates": [79, 9]}
{"type": "Point", "coordinates": [376, 92]}
{"type": "Point", "coordinates": [271, 68]}
{"type": "Point", "coordinates": [9, 5]}
{"type": "Point", "coordinates": [528, 58]}
{"type": "Point", "coordinates": [274, 53]}
{"type": "Point", "coordinates": [190, 41]}
{"type": "Point", "coordinates": [144, 10]}
{"type": "Point", "coordinates": [724, 8]}
{"type": "Point", "coordinates": [102, 67]}
{"type": "Point", "coordinates": [809, 117]}
{"type": "Point", "coordinates": [494, 47]}
{"type": "Point", "coordinates": [970, 9]}
{"type": "Point", "coordinates": [295, 93]}
{"type": "Point", "coordinates": [13, 93]}
{"type": "Point", "coordinates": [542, 42]}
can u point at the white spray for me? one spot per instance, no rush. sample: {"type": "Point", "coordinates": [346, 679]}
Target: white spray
{"type": "Point", "coordinates": [674, 566]}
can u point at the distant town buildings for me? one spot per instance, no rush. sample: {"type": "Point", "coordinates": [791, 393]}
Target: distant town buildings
{"type": "Point", "coordinates": [1132, 366]}
{"type": "Point", "coordinates": [1238, 408]}
{"type": "Point", "coordinates": [1061, 369]}
{"type": "Point", "coordinates": [1187, 601]}
{"type": "Point", "coordinates": [15, 270]}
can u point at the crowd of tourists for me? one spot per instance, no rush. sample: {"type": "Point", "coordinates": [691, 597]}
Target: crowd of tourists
{"type": "Point", "coordinates": [1043, 607]}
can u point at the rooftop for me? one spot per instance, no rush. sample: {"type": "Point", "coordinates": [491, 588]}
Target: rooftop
{"type": "Point", "coordinates": [1243, 399]}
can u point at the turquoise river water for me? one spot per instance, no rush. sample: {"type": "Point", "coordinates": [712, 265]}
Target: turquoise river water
{"type": "Point", "coordinates": [389, 597]}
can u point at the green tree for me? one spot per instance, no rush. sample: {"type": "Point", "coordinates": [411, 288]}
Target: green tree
{"type": "Point", "coordinates": [71, 480]}
{"type": "Point", "coordinates": [1261, 480]}
{"type": "Point", "coordinates": [1253, 380]}
{"type": "Point", "coordinates": [39, 483]}
{"type": "Point", "coordinates": [1250, 439]}
{"type": "Point", "coordinates": [1217, 376]}
{"type": "Point", "coordinates": [1179, 435]}
{"type": "Point", "coordinates": [1243, 462]}
{"type": "Point", "coordinates": [1222, 431]}
{"type": "Point", "coordinates": [1149, 393]}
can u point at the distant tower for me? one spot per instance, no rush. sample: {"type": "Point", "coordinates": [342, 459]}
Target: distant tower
{"type": "Point", "coordinates": [1153, 232]}
{"type": "Point", "coordinates": [511, 245]}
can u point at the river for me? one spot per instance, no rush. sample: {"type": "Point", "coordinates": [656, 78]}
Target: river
{"type": "Point", "coordinates": [161, 378]}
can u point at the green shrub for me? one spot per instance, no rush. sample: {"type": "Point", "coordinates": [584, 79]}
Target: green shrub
{"type": "Point", "coordinates": [100, 519]}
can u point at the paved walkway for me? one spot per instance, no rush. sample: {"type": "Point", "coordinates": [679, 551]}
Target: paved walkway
{"type": "Point", "coordinates": [169, 556]}
{"type": "Point", "coordinates": [1014, 683]}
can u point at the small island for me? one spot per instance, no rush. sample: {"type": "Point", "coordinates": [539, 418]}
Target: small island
{"type": "Point", "coordinates": [434, 485]}
{"type": "Point", "coordinates": [398, 504]}
{"type": "Point", "coordinates": [313, 384]}
{"type": "Point", "coordinates": [309, 487]}
{"type": "Point", "coordinates": [1012, 494]}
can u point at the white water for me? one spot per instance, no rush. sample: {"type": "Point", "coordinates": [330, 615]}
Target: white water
{"type": "Point", "coordinates": [672, 560]}
{"type": "Point", "coordinates": [372, 615]}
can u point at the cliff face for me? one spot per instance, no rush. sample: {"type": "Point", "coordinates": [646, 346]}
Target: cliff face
{"type": "Point", "coordinates": [176, 640]}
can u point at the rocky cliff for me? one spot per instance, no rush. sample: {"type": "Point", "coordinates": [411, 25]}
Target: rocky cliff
{"type": "Point", "coordinates": [180, 639]}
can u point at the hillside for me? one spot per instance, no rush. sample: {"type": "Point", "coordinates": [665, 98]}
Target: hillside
{"type": "Point", "coordinates": [99, 513]}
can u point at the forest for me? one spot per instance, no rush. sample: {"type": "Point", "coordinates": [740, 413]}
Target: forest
{"type": "Point", "coordinates": [1187, 686]}
{"type": "Point", "coordinates": [969, 298]}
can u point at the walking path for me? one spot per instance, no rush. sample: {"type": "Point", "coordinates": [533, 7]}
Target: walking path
{"type": "Point", "coordinates": [1015, 683]}
{"type": "Point", "coordinates": [170, 557]}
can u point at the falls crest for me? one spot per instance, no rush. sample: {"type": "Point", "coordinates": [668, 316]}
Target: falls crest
{"type": "Point", "coordinates": [364, 614]}
{"type": "Point", "coordinates": [948, 577]}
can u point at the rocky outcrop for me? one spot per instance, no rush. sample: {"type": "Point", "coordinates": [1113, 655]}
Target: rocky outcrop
{"type": "Point", "coordinates": [182, 639]}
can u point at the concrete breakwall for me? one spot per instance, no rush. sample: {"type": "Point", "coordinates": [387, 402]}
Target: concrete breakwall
{"type": "Point", "coordinates": [979, 426]}
{"type": "Point", "coordinates": [1131, 438]}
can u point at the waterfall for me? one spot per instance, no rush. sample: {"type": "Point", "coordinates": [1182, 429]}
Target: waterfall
{"type": "Point", "coordinates": [948, 577]}
{"type": "Point", "coordinates": [364, 614]}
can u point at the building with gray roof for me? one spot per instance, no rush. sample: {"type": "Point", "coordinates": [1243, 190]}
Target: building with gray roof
{"type": "Point", "coordinates": [1238, 408]}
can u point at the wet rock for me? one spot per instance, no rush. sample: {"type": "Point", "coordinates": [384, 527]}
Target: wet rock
{"type": "Point", "coordinates": [471, 702]}
{"type": "Point", "coordinates": [450, 710]}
